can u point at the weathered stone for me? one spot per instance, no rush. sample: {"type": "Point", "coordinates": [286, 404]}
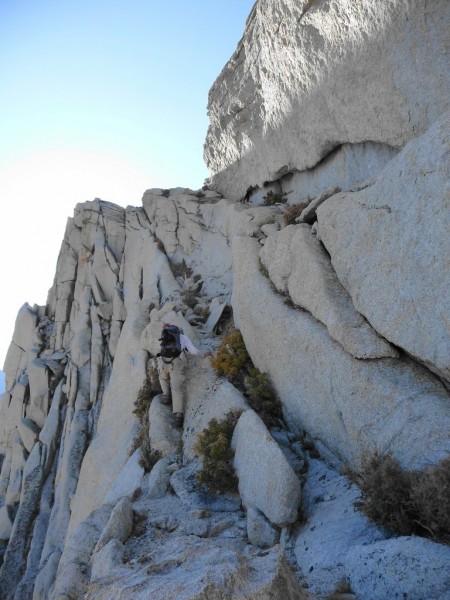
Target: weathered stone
{"type": "Point", "coordinates": [351, 405]}
{"type": "Point", "coordinates": [392, 253]}
{"type": "Point", "coordinates": [39, 391]}
{"type": "Point", "coordinates": [198, 527]}
{"type": "Point", "coordinates": [275, 491]}
{"type": "Point", "coordinates": [332, 528]}
{"type": "Point", "coordinates": [195, 232]}
{"type": "Point", "coordinates": [18, 461]}
{"type": "Point", "coordinates": [29, 433]}
{"type": "Point", "coordinates": [298, 265]}
{"type": "Point", "coordinates": [127, 481]}
{"type": "Point", "coordinates": [158, 480]}
{"type": "Point", "coordinates": [185, 485]}
{"type": "Point", "coordinates": [259, 531]}
{"type": "Point", "coordinates": [102, 463]}
{"type": "Point", "coordinates": [6, 522]}
{"type": "Point", "coordinates": [404, 567]}
{"type": "Point", "coordinates": [26, 322]}
{"type": "Point", "coordinates": [308, 214]}
{"type": "Point", "coordinates": [308, 77]}
{"type": "Point", "coordinates": [216, 309]}
{"type": "Point", "coordinates": [108, 560]}
{"type": "Point", "coordinates": [24, 590]}
{"type": "Point", "coordinates": [16, 553]}
{"type": "Point", "coordinates": [192, 568]}
{"type": "Point", "coordinates": [208, 398]}
{"type": "Point", "coordinates": [74, 570]}
{"type": "Point", "coordinates": [69, 461]}
{"type": "Point", "coordinates": [348, 167]}
{"type": "Point", "coordinates": [119, 525]}
{"type": "Point", "coordinates": [164, 437]}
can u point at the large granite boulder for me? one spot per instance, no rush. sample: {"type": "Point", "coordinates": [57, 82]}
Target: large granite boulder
{"type": "Point", "coordinates": [352, 406]}
{"type": "Point", "coordinates": [307, 77]}
{"type": "Point", "coordinates": [299, 266]}
{"type": "Point", "coordinates": [266, 479]}
{"type": "Point", "coordinates": [404, 567]}
{"type": "Point", "coordinates": [389, 245]}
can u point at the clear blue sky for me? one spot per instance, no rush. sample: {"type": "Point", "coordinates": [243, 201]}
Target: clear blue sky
{"type": "Point", "coordinates": [97, 99]}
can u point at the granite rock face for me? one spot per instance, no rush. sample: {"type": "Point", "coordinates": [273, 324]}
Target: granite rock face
{"type": "Point", "coordinates": [276, 492]}
{"type": "Point", "coordinates": [353, 406]}
{"type": "Point", "coordinates": [392, 254]}
{"type": "Point", "coordinates": [299, 267]}
{"type": "Point", "coordinates": [338, 107]}
{"type": "Point", "coordinates": [308, 77]}
{"type": "Point", "coordinates": [74, 384]}
{"type": "Point", "coordinates": [407, 567]}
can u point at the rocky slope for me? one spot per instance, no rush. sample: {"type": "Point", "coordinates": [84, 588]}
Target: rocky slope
{"type": "Point", "coordinates": [347, 309]}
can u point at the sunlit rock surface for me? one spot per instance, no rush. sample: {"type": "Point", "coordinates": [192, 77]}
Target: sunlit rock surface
{"type": "Point", "coordinates": [339, 106]}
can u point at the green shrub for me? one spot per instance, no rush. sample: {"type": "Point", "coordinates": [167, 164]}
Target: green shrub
{"type": "Point", "coordinates": [233, 362]}
{"type": "Point", "coordinates": [263, 398]}
{"type": "Point", "coordinates": [214, 447]}
{"type": "Point", "coordinates": [144, 397]}
{"type": "Point", "coordinates": [409, 502]}
{"type": "Point", "coordinates": [271, 198]}
{"type": "Point", "coordinates": [232, 357]}
{"type": "Point", "coordinates": [292, 212]}
{"type": "Point", "coordinates": [142, 403]}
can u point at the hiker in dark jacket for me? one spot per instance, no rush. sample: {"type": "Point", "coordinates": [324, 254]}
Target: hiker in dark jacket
{"type": "Point", "coordinates": [171, 363]}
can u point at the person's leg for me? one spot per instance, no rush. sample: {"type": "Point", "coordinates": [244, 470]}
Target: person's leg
{"type": "Point", "coordinates": [176, 383]}
{"type": "Point", "coordinates": [164, 380]}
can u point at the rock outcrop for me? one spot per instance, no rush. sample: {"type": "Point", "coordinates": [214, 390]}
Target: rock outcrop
{"type": "Point", "coordinates": [346, 309]}
{"type": "Point", "coordinates": [391, 255]}
{"type": "Point", "coordinates": [309, 77]}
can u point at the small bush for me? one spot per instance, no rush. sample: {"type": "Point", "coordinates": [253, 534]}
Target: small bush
{"type": "Point", "coordinates": [292, 212]}
{"type": "Point", "coordinates": [430, 491]}
{"type": "Point", "coordinates": [262, 397]}
{"type": "Point", "coordinates": [231, 357]}
{"type": "Point", "coordinates": [181, 269]}
{"type": "Point", "coordinates": [160, 245]}
{"type": "Point", "coordinates": [149, 457]}
{"type": "Point", "coordinates": [289, 302]}
{"type": "Point", "coordinates": [190, 298]}
{"type": "Point", "coordinates": [271, 198]}
{"type": "Point", "coordinates": [142, 403]}
{"type": "Point", "coordinates": [386, 492]}
{"type": "Point", "coordinates": [342, 587]}
{"type": "Point", "coordinates": [414, 502]}
{"type": "Point", "coordinates": [144, 397]}
{"type": "Point", "coordinates": [202, 312]}
{"type": "Point", "coordinates": [214, 446]}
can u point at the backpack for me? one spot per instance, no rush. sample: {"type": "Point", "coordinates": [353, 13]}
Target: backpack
{"type": "Point", "coordinates": [170, 342]}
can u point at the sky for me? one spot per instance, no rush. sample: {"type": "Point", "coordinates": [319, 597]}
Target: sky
{"type": "Point", "coordinates": [98, 99]}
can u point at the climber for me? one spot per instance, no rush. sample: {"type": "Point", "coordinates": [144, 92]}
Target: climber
{"type": "Point", "coordinates": [171, 362]}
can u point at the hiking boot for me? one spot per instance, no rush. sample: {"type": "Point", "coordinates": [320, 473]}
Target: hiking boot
{"type": "Point", "coordinates": [179, 418]}
{"type": "Point", "coordinates": [165, 399]}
